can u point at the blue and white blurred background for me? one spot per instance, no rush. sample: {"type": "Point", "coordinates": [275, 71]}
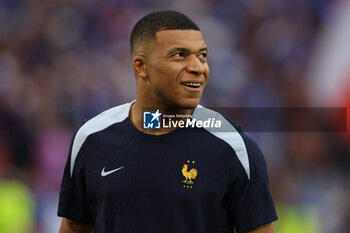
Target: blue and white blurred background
{"type": "Point", "coordinates": [64, 61]}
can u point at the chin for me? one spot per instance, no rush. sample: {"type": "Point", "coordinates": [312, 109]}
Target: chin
{"type": "Point", "coordinates": [189, 103]}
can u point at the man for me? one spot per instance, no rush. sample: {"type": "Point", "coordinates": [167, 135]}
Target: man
{"type": "Point", "coordinates": [122, 177]}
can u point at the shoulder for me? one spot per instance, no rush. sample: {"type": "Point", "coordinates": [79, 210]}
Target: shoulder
{"type": "Point", "coordinates": [104, 120]}
{"type": "Point", "coordinates": [243, 145]}
{"type": "Point", "coordinates": [96, 124]}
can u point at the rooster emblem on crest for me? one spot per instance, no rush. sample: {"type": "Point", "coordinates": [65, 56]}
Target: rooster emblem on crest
{"type": "Point", "coordinates": [189, 175]}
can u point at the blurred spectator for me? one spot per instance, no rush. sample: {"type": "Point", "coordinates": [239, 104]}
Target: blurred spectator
{"type": "Point", "coordinates": [14, 143]}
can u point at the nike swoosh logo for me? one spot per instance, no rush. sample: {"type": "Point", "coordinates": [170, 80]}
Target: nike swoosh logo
{"type": "Point", "coordinates": [104, 173]}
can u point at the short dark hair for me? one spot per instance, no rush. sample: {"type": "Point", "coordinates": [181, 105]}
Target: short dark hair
{"type": "Point", "coordinates": [149, 25]}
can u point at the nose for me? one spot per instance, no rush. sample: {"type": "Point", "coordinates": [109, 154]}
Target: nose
{"type": "Point", "coordinates": [195, 66]}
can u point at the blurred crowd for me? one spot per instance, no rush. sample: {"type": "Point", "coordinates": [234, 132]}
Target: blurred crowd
{"type": "Point", "coordinates": [64, 61]}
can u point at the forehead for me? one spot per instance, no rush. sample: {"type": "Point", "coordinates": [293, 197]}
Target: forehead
{"type": "Point", "coordinates": [183, 38]}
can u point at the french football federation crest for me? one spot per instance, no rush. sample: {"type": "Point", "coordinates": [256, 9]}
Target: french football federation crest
{"type": "Point", "coordinates": [189, 175]}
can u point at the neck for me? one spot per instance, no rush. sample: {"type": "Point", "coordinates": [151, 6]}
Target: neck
{"type": "Point", "coordinates": [136, 116]}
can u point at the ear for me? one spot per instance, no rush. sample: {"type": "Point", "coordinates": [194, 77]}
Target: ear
{"type": "Point", "coordinates": [140, 66]}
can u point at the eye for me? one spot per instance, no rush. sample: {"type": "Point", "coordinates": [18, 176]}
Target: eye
{"type": "Point", "coordinates": [203, 55]}
{"type": "Point", "coordinates": [179, 54]}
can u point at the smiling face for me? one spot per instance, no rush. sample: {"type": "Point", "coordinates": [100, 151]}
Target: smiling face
{"type": "Point", "coordinates": [176, 69]}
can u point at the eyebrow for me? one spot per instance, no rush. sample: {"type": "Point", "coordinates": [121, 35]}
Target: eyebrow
{"type": "Point", "coordinates": [185, 50]}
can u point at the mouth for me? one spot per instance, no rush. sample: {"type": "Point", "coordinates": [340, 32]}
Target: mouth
{"type": "Point", "coordinates": [192, 86]}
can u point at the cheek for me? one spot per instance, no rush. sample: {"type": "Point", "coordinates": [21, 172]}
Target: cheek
{"type": "Point", "coordinates": [164, 81]}
{"type": "Point", "coordinates": [169, 73]}
{"type": "Point", "coordinates": [207, 71]}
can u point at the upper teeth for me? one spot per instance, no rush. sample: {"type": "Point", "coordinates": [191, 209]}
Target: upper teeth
{"type": "Point", "coordinates": [193, 84]}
